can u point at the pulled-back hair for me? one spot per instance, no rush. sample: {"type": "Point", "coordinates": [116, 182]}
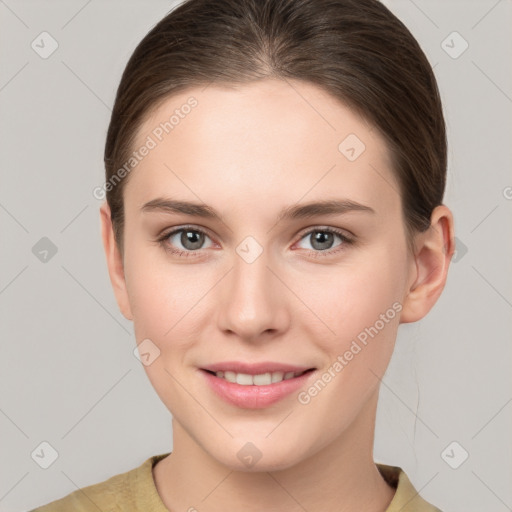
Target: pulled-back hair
{"type": "Point", "coordinates": [356, 50]}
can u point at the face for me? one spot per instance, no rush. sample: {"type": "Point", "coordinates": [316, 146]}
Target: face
{"type": "Point", "coordinates": [260, 283]}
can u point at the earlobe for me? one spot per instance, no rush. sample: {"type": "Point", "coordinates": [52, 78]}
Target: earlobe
{"type": "Point", "coordinates": [434, 250]}
{"type": "Point", "coordinates": [114, 262]}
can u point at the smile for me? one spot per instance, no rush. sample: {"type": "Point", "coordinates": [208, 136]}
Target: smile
{"type": "Point", "coordinates": [258, 389]}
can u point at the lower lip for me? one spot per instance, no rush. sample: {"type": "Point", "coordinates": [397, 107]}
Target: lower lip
{"type": "Point", "coordinates": [254, 397]}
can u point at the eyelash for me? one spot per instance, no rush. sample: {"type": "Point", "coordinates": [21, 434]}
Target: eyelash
{"type": "Point", "coordinates": [162, 240]}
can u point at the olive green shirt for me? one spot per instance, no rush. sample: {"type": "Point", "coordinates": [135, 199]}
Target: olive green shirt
{"type": "Point", "coordinates": [135, 491]}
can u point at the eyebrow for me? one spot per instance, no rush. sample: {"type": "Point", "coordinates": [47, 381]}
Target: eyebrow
{"type": "Point", "coordinates": [299, 211]}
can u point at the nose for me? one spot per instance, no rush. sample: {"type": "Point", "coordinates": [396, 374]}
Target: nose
{"type": "Point", "coordinates": [253, 303]}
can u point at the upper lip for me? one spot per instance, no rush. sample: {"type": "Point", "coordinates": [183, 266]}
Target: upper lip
{"type": "Point", "coordinates": [255, 368]}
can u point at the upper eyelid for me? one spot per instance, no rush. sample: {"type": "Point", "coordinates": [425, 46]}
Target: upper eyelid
{"type": "Point", "coordinates": [319, 227]}
{"type": "Point", "coordinates": [173, 231]}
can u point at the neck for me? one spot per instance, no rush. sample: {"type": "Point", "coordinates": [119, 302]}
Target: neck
{"type": "Point", "coordinates": [340, 477]}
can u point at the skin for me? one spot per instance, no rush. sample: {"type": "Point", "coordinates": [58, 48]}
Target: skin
{"type": "Point", "coordinates": [248, 152]}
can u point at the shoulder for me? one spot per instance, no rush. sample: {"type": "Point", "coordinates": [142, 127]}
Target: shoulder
{"type": "Point", "coordinates": [124, 491]}
{"type": "Point", "coordinates": [407, 498]}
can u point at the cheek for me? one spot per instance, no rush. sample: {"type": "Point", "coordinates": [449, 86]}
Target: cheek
{"type": "Point", "coordinates": [156, 296]}
{"type": "Point", "coordinates": [162, 303]}
{"type": "Point", "coordinates": [167, 302]}
{"type": "Point", "coordinates": [361, 305]}
{"type": "Point", "coordinates": [363, 309]}
{"type": "Point", "coordinates": [353, 297]}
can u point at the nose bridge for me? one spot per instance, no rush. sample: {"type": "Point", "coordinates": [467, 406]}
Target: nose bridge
{"type": "Point", "coordinates": [252, 302]}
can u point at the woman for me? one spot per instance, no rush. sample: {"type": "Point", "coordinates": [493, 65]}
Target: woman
{"type": "Point", "coordinates": [275, 171]}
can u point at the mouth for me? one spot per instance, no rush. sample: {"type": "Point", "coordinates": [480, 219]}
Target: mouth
{"type": "Point", "coordinates": [255, 386]}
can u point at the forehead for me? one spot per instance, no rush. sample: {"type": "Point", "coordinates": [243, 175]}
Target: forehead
{"type": "Point", "coordinates": [272, 141]}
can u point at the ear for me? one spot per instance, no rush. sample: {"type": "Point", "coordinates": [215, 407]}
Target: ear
{"type": "Point", "coordinates": [114, 262]}
{"type": "Point", "coordinates": [433, 252]}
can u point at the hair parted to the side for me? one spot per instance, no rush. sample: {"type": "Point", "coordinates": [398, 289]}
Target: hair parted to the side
{"type": "Point", "coordinates": [356, 50]}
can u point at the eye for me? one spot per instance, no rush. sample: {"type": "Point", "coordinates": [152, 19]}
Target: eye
{"type": "Point", "coordinates": [191, 239]}
{"type": "Point", "coordinates": [322, 240]}
{"type": "Point", "coordinates": [187, 240]}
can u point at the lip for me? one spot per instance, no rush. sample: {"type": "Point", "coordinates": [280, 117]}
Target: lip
{"type": "Point", "coordinates": [255, 397]}
{"type": "Point", "coordinates": [255, 368]}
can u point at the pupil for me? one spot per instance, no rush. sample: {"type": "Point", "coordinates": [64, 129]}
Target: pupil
{"type": "Point", "coordinates": [324, 239]}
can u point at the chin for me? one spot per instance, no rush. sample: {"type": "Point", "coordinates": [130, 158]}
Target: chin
{"type": "Point", "coordinates": [259, 455]}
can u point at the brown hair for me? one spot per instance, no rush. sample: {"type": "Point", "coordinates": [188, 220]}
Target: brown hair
{"type": "Point", "coordinates": [356, 50]}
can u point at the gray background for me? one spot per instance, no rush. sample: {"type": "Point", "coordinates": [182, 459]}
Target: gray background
{"type": "Point", "coordinates": [68, 373]}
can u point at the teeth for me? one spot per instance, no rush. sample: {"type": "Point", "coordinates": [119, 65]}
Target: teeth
{"type": "Point", "coordinates": [262, 379]}
{"type": "Point", "coordinates": [229, 376]}
{"type": "Point", "coordinates": [244, 379]}
{"type": "Point", "coordinates": [277, 377]}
